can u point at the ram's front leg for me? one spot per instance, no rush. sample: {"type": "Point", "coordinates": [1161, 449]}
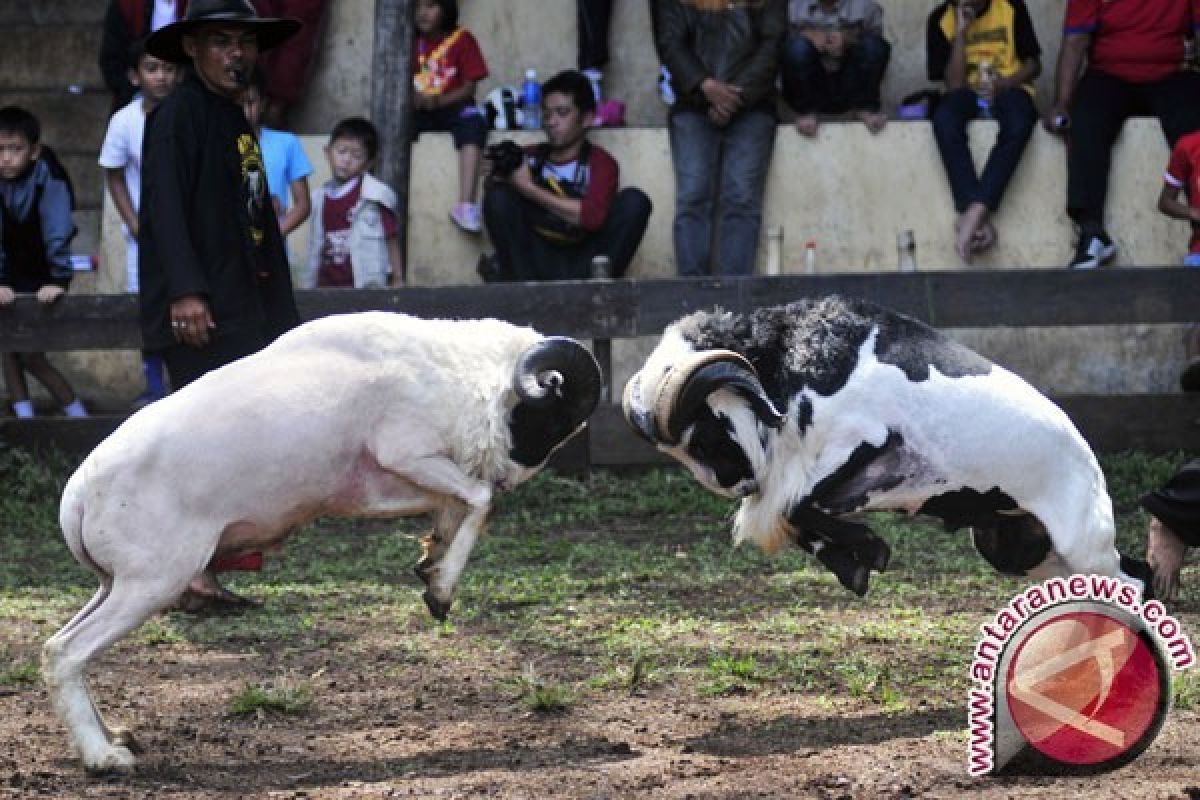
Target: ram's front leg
{"type": "Point", "coordinates": [850, 550]}
{"type": "Point", "coordinates": [457, 527]}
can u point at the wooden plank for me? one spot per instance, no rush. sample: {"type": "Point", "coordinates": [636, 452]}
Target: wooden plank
{"type": "Point", "coordinates": [1111, 423]}
{"type": "Point", "coordinates": [391, 100]}
{"type": "Point", "coordinates": [623, 309]}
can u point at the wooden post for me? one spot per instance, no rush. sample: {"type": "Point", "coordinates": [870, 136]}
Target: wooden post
{"type": "Point", "coordinates": [391, 100]}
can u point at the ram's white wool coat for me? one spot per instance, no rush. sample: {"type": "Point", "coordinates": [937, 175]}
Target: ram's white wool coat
{"type": "Point", "coordinates": [362, 414]}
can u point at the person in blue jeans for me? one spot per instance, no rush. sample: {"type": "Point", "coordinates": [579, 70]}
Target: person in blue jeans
{"type": "Point", "coordinates": [987, 53]}
{"type": "Point", "coordinates": [834, 61]}
{"type": "Point", "coordinates": [723, 58]}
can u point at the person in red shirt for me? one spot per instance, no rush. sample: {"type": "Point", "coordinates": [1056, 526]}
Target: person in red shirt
{"type": "Point", "coordinates": [1119, 58]}
{"type": "Point", "coordinates": [560, 208]}
{"type": "Point", "coordinates": [1183, 175]}
{"type": "Point", "coordinates": [447, 64]}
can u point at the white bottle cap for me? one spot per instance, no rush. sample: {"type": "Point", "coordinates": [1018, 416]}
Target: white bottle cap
{"type": "Point", "coordinates": [531, 74]}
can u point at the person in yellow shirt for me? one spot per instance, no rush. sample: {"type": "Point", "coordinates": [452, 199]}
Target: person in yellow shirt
{"type": "Point", "coordinates": [988, 55]}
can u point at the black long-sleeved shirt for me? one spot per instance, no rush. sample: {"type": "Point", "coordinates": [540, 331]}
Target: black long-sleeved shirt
{"type": "Point", "coordinates": [206, 224]}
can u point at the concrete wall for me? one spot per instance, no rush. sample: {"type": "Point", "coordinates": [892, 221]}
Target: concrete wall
{"type": "Point", "coordinates": [518, 34]}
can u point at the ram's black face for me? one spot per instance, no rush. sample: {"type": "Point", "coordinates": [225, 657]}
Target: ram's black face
{"type": "Point", "coordinates": [716, 459]}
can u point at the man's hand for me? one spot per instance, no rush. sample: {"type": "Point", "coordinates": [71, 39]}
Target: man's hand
{"type": "Point", "coordinates": [49, 293]}
{"type": "Point", "coordinates": [521, 177]}
{"type": "Point", "coordinates": [1057, 120]}
{"type": "Point", "coordinates": [424, 102]}
{"type": "Point", "coordinates": [965, 16]}
{"type": "Point", "coordinates": [717, 118]}
{"type": "Point", "coordinates": [7, 296]}
{"type": "Point", "coordinates": [191, 320]}
{"type": "Point", "coordinates": [724, 97]}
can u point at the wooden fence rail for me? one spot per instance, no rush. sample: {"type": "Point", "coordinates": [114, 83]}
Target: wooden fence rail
{"type": "Point", "coordinates": [604, 311]}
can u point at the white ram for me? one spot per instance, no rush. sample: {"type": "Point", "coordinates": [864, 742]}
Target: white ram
{"type": "Point", "coordinates": [813, 411]}
{"type": "Point", "coordinates": [372, 414]}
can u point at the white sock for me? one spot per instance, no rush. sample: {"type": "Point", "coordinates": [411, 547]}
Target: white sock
{"type": "Point", "coordinates": [595, 76]}
{"type": "Point", "coordinates": [75, 409]}
{"type": "Point", "coordinates": [23, 409]}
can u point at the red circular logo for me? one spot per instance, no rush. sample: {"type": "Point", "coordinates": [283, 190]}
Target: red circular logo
{"type": "Point", "coordinates": [1085, 689]}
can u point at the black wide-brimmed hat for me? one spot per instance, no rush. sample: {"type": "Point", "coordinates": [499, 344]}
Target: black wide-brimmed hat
{"type": "Point", "coordinates": [167, 42]}
{"type": "Point", "coordinates": [1177, 504]}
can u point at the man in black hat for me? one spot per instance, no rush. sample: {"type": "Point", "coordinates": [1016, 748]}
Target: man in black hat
{"type": "Point", "coordinates": [214, 276]}
{"type": "Point", "coordinates": [1174, 527]}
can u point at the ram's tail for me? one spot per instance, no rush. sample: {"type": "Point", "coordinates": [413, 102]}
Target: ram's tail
{"type": "Point", "coordinates": [71, 513]}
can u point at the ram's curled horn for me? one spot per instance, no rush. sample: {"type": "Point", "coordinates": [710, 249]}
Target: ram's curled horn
{"type": "Point", "coordinates": [559, 369]}
{"type": "Point", "coordinates": [685, 388]}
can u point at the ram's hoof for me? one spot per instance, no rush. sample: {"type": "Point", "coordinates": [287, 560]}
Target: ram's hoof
{"type": "Point", "coordinates": [856, 580]}
{"type": "Point", "coordinates": [436, 607]}
{"type": "Point", "coordinates": [881, 556]}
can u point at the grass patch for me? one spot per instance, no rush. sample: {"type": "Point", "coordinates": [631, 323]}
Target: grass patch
{"type": "Point", "coordinates": [624, 583]}
{"type": "Point", "coordinates": [286, 697]}
{"type": "Point", "coordinates": [537, 694]}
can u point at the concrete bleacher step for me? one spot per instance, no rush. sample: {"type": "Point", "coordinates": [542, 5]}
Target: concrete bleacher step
{"type": "Point", "coordinates": [52, 12]}
{"type": "Point", "coordinates": [50, 57]}
{"type": "Point", "coordinates": [71, 122]}
{"type": "Point", "coordinates": [88, 179]}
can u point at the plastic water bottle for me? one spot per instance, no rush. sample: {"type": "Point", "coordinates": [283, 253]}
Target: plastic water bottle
{"type": "Point", "coordinates": [810, 257]}
{"type": "Point", "coordinates": [531, 102]}
{"type": "Point", "coordinates": [906, 251]}
{"type": "Point", "coordinates": [774, 264]}
{"type": "Point", "coordinates": [987, 77]}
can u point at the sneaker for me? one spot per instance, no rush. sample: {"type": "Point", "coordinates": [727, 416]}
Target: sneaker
{"type": "Point", "coordinates": [466, 216]}
{"type": "Point", "coordinates": [489, 269]}
{"type": "Point", "coordinates": [1093, 250]}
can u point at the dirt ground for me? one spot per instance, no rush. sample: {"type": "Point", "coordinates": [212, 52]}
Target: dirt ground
{"type": "Point", "coordinates": [388, 727]}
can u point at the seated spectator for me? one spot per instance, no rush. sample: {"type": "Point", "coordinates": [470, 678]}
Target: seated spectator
{"type": "Point", "coordinates": [988, 54]}
{"type": "Point", "coordinates": [834, 60]}
{"type": "Point", "coordinates": [121, 158]}
{"type": "Point", "coordinates": [35, 231]}
{"type": "Point", "coordinates": [286, 164]}
{"type": "Point", "coordinates": [447, 66]}
{"type": "Point", "coordinates": [1117, 60]}
{"type": "Point", "coordinates": [1174, 527]}
{"type": "Point", "coordinates": [1183, 177]}
{"type": "Point", "coordinates": [556, 207]}
{"type": "Point", "coordinates": [125, 23]}
{"type": "Point", "coordinates": [723, 56]}
{"type": "Point", "coordinates": [352, 240]}
{"type": "Point", "coordinates": [288, 67]}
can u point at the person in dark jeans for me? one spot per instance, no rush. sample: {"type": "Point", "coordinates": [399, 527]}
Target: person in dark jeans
{"type": "Point", "coordinates": [1134, 56]}
{"type": "Point", "coordinates": [987, 53]}
{"type": "Point", "coordinates": [723, 58]}
{"type": "Point", "coordinates": [559, 207]}
{"type": "Point", "coordinates": [834, 60]}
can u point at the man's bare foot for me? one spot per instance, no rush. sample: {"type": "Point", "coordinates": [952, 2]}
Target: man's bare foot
{"type": "Point", "coordinates": [1164, 553]}
{"type": "Point", "coordinates": [968, 226]}
{"type": "Point", "coordinates": [807, 124]}
{"type": "Point", "coordinates": [985, 236]}
{"type": "Point", "coordinates": [874, 120]}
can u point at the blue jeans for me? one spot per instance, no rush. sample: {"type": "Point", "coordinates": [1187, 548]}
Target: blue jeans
{"type": "Point", "coordinates": [720, 175]}
{"type": "Point", "coordinates": [1014, 110]}
{"type": "Point", "coordinates": [1191, 260]}
{"type": "Point", "coordinates": [807, 87]}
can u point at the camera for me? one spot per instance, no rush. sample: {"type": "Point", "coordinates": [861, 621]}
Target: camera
{"type": "Point", "coordinates": [506, 157]}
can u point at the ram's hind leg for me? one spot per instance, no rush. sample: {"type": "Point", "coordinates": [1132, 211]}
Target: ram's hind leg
{"type": "Point", "coordinates": [66, 656]}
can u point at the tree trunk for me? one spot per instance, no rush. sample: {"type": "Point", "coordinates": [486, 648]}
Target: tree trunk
{"type": "Point", "coordinates": [391, 101]}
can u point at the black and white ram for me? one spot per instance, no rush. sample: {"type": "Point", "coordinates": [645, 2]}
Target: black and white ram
{"type": "Point", "coordinates": [815, 410]}
{"type": "Point", "coordinates": [370, 414]}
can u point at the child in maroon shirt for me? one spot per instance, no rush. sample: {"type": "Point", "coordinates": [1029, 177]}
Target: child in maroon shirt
{"type": "Point", "coordinates": [447, 64]}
